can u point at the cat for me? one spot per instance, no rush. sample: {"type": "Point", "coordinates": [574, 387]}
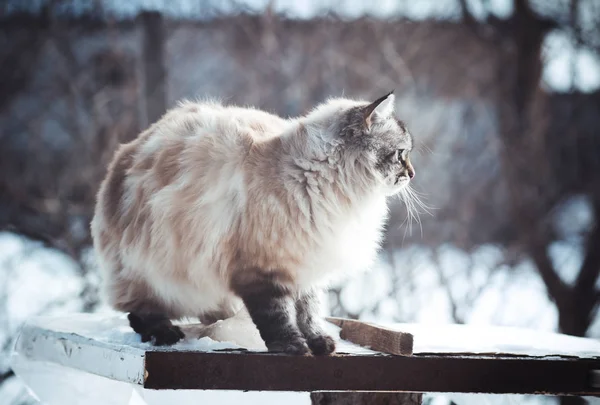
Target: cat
{"type": "Point", "coordinates": [219, 208]}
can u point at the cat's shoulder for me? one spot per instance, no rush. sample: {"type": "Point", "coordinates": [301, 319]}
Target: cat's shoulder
{"type": "Point", "coordinates": [255, 123]}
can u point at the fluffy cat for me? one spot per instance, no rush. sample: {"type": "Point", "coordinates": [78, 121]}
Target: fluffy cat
{"type": "Point", "coordinates": [215, 208]}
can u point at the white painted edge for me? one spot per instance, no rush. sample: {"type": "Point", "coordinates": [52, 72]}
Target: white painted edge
{"type": "Point", "coordinates": [117, 362]}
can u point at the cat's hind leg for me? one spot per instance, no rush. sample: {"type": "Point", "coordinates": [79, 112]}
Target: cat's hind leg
{"type": "Point", "coordinates": [155, 328]}
{"type": "Point", "coordinates": [148, 316]}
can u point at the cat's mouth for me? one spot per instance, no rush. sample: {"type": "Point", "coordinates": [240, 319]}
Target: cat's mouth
{"type": "Point", "coordinates": [401, 179]}
{"type": "Point", "coordinates": [400, 182]}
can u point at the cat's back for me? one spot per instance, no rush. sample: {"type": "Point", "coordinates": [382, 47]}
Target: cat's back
{"type": "Point", "coordinates": [211, 124]}
{"type": "Point", "coordinates": [224, 121]}
{"type": "Point", "coordinates": [181, 176]}
{"type": "Point", "coordinates": [173, 173]}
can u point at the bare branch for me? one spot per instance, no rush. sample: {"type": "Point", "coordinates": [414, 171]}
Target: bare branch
{"type": "Point", "coordinates": [6, 375]}
{"type": "Point", "coordinates": [467, 16]}
{"type": "Point", "coordinates": [556, 288]}
{"type": "Point", "coordinates": [590, 269]}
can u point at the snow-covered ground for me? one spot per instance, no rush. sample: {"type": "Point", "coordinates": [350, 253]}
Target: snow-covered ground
{"type": "Point", "coordinates": [470, 287]}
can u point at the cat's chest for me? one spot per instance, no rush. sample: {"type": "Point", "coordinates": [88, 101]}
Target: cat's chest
{"type": "Point", "coordinates": [353, 244]}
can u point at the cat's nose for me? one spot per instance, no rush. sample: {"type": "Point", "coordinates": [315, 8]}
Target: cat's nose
{"type": "Point", "coordinates": [411, 173]}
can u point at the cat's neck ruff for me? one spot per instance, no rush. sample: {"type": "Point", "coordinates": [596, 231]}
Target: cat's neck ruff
{"type": "Point", "coordinates": [311, 154]}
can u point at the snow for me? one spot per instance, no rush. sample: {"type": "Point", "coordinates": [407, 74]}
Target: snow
{"type": "Point", "coordinates": [12, 392]}
{"type": "Point", "coordinates": [101, 334]}
{"type": "Point", "coordinates": [514, 297]}
{"type": "Point", "coordinates": [41, 273]}
{"type": "Point", "coordinates": [189, 397]}
{"type": "Point", "coordinates": [428, 284]}
{"type": "Point", "coordinates": [59, 385]}
{"type": "Point", "coordinates": [32, 280]}
{"type": "Point", "coordinates": [500, 340]}
{"type": "Point", "coordinates": [376, 283]}
{"type": "Point", "coordinates": [114, 331]}
{"type": "Point", "coordinates": [65, 360]}
{"type": "Point", "coordinates": [567, 258]}
{"type": "Point", "coordinates": [574, 217]}
{"type": "Point", "coordinates": [568, 66]}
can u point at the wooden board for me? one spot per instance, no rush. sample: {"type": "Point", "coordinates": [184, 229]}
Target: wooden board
{"type": "Point", "coordinates": [106, 346]}
{"type": "Point", "coordinates": [362, 398]}
{"type": "Point", "coordinates": [375, 337]}
{"type": "Point", "coordinates": [417, 373]}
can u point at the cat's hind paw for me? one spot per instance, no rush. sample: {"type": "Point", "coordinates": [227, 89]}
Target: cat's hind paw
{"type": "Point", "coordinates": [160, 332]}
{"type": "Point", "coordinates": [165, 336]}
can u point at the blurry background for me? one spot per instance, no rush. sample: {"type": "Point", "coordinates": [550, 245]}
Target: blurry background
{"type": "Point", "coordinates": [502, 96]}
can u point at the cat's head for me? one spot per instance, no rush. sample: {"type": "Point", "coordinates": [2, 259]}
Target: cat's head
{"type": "Point", "coordinates": [371, 135]}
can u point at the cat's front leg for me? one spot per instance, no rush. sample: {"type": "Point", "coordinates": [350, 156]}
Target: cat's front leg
{"type": "Point", "coordinates": [270, 303]}
{"type": "Point", "coordinates": [309, 322]}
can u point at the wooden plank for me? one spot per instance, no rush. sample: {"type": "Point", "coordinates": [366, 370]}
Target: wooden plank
{"type": "Point", "coordinates": [107, 347]}
{"type": "Point", "coordinates": [123, 363]}
{"type": "Point", "coordinates": [375, 337]}
{"type": "Point", "coordinates": [595, 378]}
{"type": "Point", "coordinates": [417, 373]}
{"type": "Point", "coordinates": [362, 398]}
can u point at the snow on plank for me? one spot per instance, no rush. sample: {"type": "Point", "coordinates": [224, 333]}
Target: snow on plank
{"type": "Point", "coordinates": [448, 358]}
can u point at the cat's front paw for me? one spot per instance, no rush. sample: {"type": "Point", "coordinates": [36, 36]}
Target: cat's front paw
{"type": "Point", "coordinates": [295, 347]}
{"type": "Point", "coordinates": [321, 345]}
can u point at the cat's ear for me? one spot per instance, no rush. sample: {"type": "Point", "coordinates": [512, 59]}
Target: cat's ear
{"type": "Point", "coordinates": [383, 106]}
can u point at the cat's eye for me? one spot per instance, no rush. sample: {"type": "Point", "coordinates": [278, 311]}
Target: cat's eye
{"type": "Point", "coordinates": [397, 155]}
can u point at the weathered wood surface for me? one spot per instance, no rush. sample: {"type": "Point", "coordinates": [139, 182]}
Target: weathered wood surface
{"type": "Point", "coordinates": [375, 337]}
{"type": "Point", "coordinates": [364, 398]}
{"type": "Point", "coordinates": [107, 347]}
{"type": "Point", "coordinates": [418, 373]}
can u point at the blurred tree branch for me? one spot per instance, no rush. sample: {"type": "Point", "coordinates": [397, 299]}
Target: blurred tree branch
{"type": "Point", "coordinates": [526, 137]}
{"type": "Point", "coordinates": [466, 13]}
{"type": "Point", "coordinates": [154, 65]}
{"type": "Point", "coordinates": [6, 375]}
{"type": "Point", "coordinates": [21, 53]}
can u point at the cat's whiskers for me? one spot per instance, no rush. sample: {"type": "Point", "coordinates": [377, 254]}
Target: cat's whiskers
{"type": "Point", "coordinates": [418, 199]}
{"type": "Point", "coordinates": [413, 201]}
